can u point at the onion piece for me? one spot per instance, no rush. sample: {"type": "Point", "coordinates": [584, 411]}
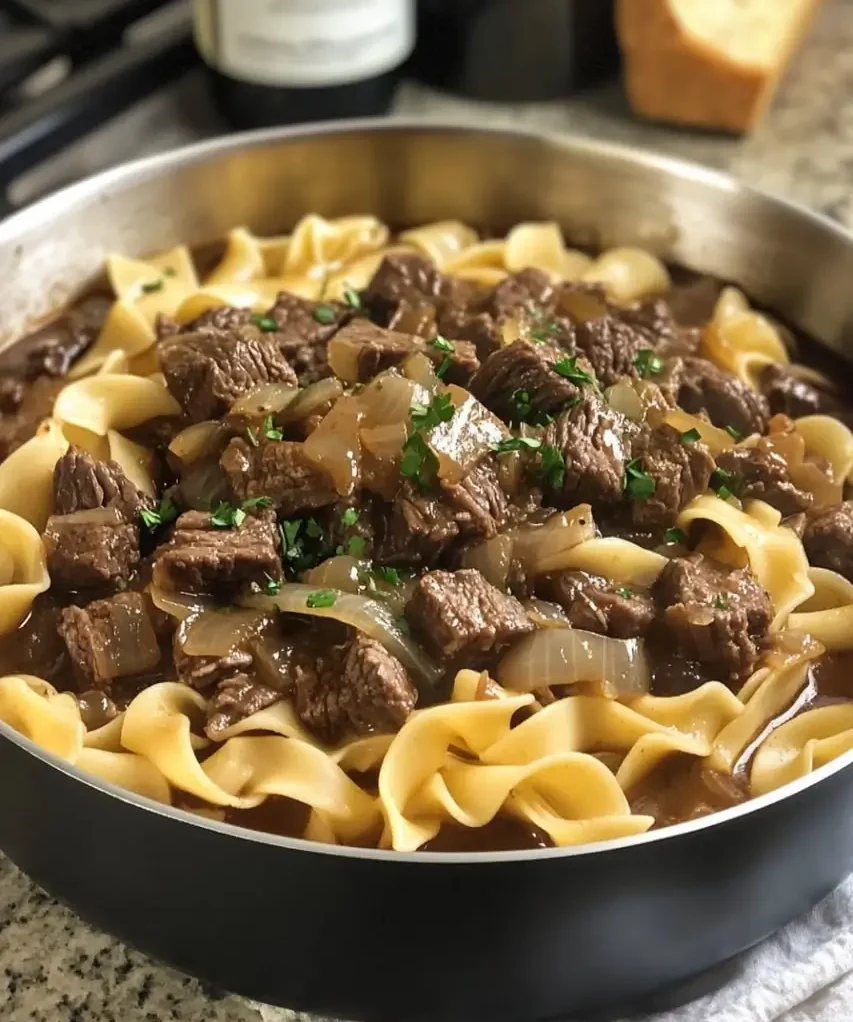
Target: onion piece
{"type": "Point", "coordinates": [179, 605]}
{"type": "Point", "coordinates": [369, 616]}
{"type": "Point", "coordinates": [335, 446]}
{"type": "Point", "coordinates": [492, 558]}
{"type": "Point", "coordinates": [418, 367]}
{"type": "Point", "coordinates": [316, 398]}
{"type": "Point", "coordinates": [564, 656]}
{"type": "Point", "coordinates": [624, 398]}
{"type": "Point", "coordinates": [342, 572]}
{"type": "Point", "coordinates": [131, 646]}
{"type": "Point", "coordinates": [716, 440]}
{"type": "Point", "coordinates": [270, 399]}
{"type": "Point", "coordinates": [385, 443]}
{"type": "Point", "coordinates": [543, 548]}
{"type": "Point", "coordinates": [344, 354]}
{"type": "Point", "coordinates": [387, 399]}
{"type": "Point", "coordinates": [462, 441]}
{"type": "Point", "coordinates": [204, 484]}
{"type": "Point", "coordinates": [199, 440]}
{"type": "Point", "coordinates": [545, 614]}
{"type": "Point", "coordinates": [219, 632]}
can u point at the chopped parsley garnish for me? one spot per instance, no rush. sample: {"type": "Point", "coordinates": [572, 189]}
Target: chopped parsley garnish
{"type": "Point", "coordinates": [419, 463]}
{"type": "Point", "coordinates": [252, 436]}
{"type": "Point", "coordinates": [165, 512]}
{"type": "Point", "coordinates": [350, 516]}
{"type": "Point", "coordinates": [638, 485]}
{"type": "Point", "coordinates": [270, 430]}
{"type": "Point", "coordinates": [517, 443]}
{"type": "Point", "coordinates": [690, 436]}
{"type": "Point", "coordinates": [351, 298]}
{"type": "Point", "coordinates": [521, 400]}
{"type": "Point", "coordinates": [735, 434]}
{"type": "Point", "coordinates": [443, 366]}
{"type": "Point", "coordinates": [568, 368]}
{"type": "Point", "coordinates": [675, 536]}
{"type": "Point", "coordinates": [271, 586]}
{"type": "Point", "coordinates": [265, 323]}
{"type": "Point", "coordinates": [170, 271]}
{"type": "Point", "coordinates": [324, 314]}
{"type": "Point", "coordinates": [313, 529]}
{"type": "Point", "coordinates": [625, 593]}
{"type": "Point", "coordinates": [440, 409]}
{"type": "Point", "coordinates": [725, 484]}
{"type": "Point", "coordinates": [150, 286]}
{"type": "Point", "coordinates": [552, 466]}
{"type": "Point", "coordinates": [721, 602]}
{"type": "Point", "coordinates": [442, 344]}
{"type": "Point", "coordinates": [303, 545]}
{"type": "Point", "coordinates": [321, 598]}
{"type": "Point", "coordinates": [647, 363]}
{"type": "Point", "coordinates": [391, 576]}
{"type": "Point", "coordinates": [356, 546]}
{"type": "Point", "coordinates": [230, 516]}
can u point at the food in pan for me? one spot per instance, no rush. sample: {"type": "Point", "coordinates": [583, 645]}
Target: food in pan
{"type": "Point", "coordinates": [425, 541]}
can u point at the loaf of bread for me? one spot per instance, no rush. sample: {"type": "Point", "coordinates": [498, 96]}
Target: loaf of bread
{"type": "Point", "coordinates": [710, 63]}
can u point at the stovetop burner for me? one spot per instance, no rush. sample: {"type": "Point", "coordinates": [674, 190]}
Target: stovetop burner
{"type": "Point", "coordinates": [66, 66]}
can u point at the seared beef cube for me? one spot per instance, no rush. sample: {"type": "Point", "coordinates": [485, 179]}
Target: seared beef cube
{"type": "Point", "coordinates": [416, 529]}
{"type": "Point", "coordinates": [713, 613]}
{"type": "Point", "coordinates": [611, 347]}
{"type": "Point", "coordinates": [761, 472]}
{"type": "Point", "coordinates": [365, 690]}
{"type": "Point", "coordinates": [110, 639]}
{"type": "Point", "coordinates": [204, 672]}
{"type": "Point", "coordinates": [520, 381]}
{"type": "Point", "coordinates": [788, 395]}
{"type": "Point", "coordinates": [529, 292]}
{"type": "Point", "coordinates": [304, 329]}
{"type": "Point", "coordinates": [279, 470]}
{"type": "Point", "coordinates": [165, 327]}
{"type": "Point", "coordinates": [654, 320]}
{"type": "Point", "coordinates": [594, 441]}
{"type": "Point", "coordinates": [362, 349]}
{"type": "Point", "coordinates": [828, 539]}
{"type": "Point", "coordinates": [61, 342]}
{"type": "Point", "coordinates": [90, 554]}
{"type": "Point", "coordinates": [219, 318]}
{"type": "Point", "coordinates": [201, 558]}
{"type": "Point", "coordinates": [403, 277]}
{"type": "Point", "coordinates": [681, 471]}
{"type": "Point", "coordinates": [596, 604]}
{"type": "Point", "coordinates": [727, 400]}
{"type": "Point", "coordinates": [457, 366]}
{"type": "Point", "coordinates": [208, 370]}
{"type": "Point", "coordinates": [480, 504]}
{"type": "Point", "coordinates": [237, 697]}
{"type": "Point", "coordinates": [459, 611]}
{"type": "Point", "coordinates": [81, 483]}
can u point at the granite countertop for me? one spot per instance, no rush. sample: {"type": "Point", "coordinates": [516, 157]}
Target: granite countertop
{"type": "Point", "coordinates": [54, 968]}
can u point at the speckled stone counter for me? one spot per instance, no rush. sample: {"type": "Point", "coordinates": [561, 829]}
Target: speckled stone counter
{"type": "Point", "coordinates": [54, 968]}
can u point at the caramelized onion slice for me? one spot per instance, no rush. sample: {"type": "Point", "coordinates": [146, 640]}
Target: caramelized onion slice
{"type": "Point", "coordinates": [418, 367]}
{"type": "Point", "coordinates": [342, 572]}
{"type": "Point", "coordinates": [334, 445]}
{"type": "Point", "coordinates": [199, 441]}
{"type": "Point", "coordinates": [131, 647]}
{"type": "Point", "coordinates": [219, 632]}
{"type": "Point", "coordinates": [543, 548]}
{"type": "Point", "coordinates": [179, 605]}
{"type": "Point", "coordinates": [270, 399]}
{"type": "Point", "coordinates": [563, 656]}
{"type": "Point", "coordinates": [316, 398]}
{"type": "Point", "coordinates": [492, 558]}
{"type": "Point", "coordinates": [369, 616]}
{"type": "Point", "coordinates": [387, 399]}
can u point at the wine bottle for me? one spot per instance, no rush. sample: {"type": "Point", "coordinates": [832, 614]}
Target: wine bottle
{"type": "Point", "coordinates": [284, 61]}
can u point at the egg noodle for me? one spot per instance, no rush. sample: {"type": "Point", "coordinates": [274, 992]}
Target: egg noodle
{"type": "Point", "coordinates": [488, 750]}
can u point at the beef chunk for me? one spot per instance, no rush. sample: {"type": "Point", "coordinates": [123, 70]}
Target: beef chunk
{"type": "Point", "coordinates": [357, 690]}
{"type": "Point", "coordinates": [404, 277]}
{"type": "Point", "coordinates": [236, 697]}
{"type": "Point", "coordinates": [594, 440]}
{"type": "Point", "coordinates": [654, 320]}
{"type": "Point", "coordinates": [370, 349]}
{"type": "Point", "coordinates": [416, 529]}
{"type": "Point", "coordinates": [90, 554]}
{"type": "Point", "coordinates": [828, 539]}
{"type": "Point", "coordinates": [205, 672]}
{"type": "Point", "coordinates": [727, 400]}
{"type": "Point", "coordinates": [788, 395]}
{"type": "Point", "coordinates": [480, 505]}
{"type": "Point", "coordinates": [58, 345]}
{"type": "Point", "coordinates": [459, 611]}
{"type": "Point", "coordinates": [681, 471]}
{"type": "Point", "coordinates": [611, 347]}
{"type": "Point", "coordinates": [110, 639]}
{"type": "Point", "coordinates": [596, 604]}
{"type": "Point", "coordinates": [277, 469]}
{"type": "Point", "coordinates": [201, 558]}
{"type": "Point", "coordinates": [763, 473]}
{"type": "Point", "coordinates": [713, 613]}
{"type": "Point", "coordinates": [304, 332]}
{"type": "Point", "coordinates": [529, 292]}
{"type": "Point", "coordinates": [520, 380]}
{"type": "Point", "coordinates": [36, 404]}
{"type": "Point", "coordinates": [81, 483]}
{"type": "Point", "coordinates": [220, 318]}
{"type": "Point", "coordinates": [207, 370]}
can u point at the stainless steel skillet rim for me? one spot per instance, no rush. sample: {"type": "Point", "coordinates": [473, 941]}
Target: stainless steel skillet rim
{"type": "Point", "coordinates": [15, 228]}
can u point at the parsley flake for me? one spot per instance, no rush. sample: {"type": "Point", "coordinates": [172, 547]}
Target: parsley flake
{"type": "Point", "coordinates": [150, 286]}
{"type": "Point", "coordinates": [252, 436]}
{"type": "Point", "coordinates": [735, 434]}
{"type": "Point", "coordinates": [165, 512]}
{"type": "Point", "coordinates": [552, 466]}
{"type": "Point", "coordinates": [170, 271]}
{"type": "Point", "coordinates": [625, 593]}
{"type": "Point", "coordinates": [675, 536]}
{"type": "Point", "coordinates": [726, 484]}
{"type": "Point", "coordinates": [303, 545]}
{"type": "Point", "coordinates": [321, 598]}
{"type": "Point", "coordinates": [350, 516]}
{"type": "Point", "coordinates": [440, 409]}
{"type": "Point", "coordinates": [647, 363]}
{"type": "Point", "coordinates": [253, 502]}
{"type": "Point", "coordinates": [419, 463]}
{"type": "Point", "coordinates": [270, 430]}
{"type": "Point", "coordinates": [442, 344]}
{"type": "Point", "coordinates": [229, 516]}
{"type": "Point", "coordinates": [690, 436]}
{"type": "Point", "coordinates": [391, 576]}
{"type": "Point", "coordinates": [568, 368]}
{"type": "Point", "coordinates": [721, 602]}
{"type": "Point", "coordinates": [351, 298]}
{"type": "Point", "coordinates": [324, 314]}
{"type": "Point", "coordinates": [265, 323]}
{"type": "Point", "coordinates": [517, 443]}
{"type": "Point", "coordinates": [443, 366]}
{"type": "Point", "coordinates": [271, 585]}
{"type": "Point", "coordinates": [638, 484]}
{"type": "Point", "coordinates": [356, 546]}
{"type": "Point", "coordinates": [521, 400]}
{"type": "Point", "coordinates": [313, 529]}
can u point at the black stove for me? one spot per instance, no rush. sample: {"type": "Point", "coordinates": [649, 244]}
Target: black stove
{"type": "Point", "coordinates": [67, 66]}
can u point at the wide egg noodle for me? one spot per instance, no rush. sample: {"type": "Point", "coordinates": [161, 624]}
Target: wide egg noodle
{"type": "Point", "coordinates": [616, 559]}
{"type": "Point", "coordinates": [830, 439]}
{"type": "Point", "coordinates": [741, 340]}
{"type": "Point", "coordinates": [541, 245]}
{"type": "Point", "coordinates": [828, 614]}
{"type": "Point", "coordinates": [441, 241]}
{"type": "Point", "coordinates": [26, 476]}
{"type": "Point", "coordinates": [774, 552]}
{"type": "Point", "coordinates": [801, 745]}
{"type": "Point", "coordinates": [113, 401]}
{"type": "Point", "coordinates": [23, 570]}
{"type": "Point", "coordinates": [36, 710]}
{"type": "Point", "coordinates": [628, 274]}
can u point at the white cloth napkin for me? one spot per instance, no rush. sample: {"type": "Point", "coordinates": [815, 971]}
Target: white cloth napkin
{"type": "Point", "coordinates": [803, 974]}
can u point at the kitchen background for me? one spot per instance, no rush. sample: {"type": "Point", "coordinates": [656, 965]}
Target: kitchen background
{"type": "Point", "coordinates": [52, 966]}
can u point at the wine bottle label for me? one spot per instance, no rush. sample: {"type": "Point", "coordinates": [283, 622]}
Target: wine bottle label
{"type": "Point", "coordinates": [307, 43]}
